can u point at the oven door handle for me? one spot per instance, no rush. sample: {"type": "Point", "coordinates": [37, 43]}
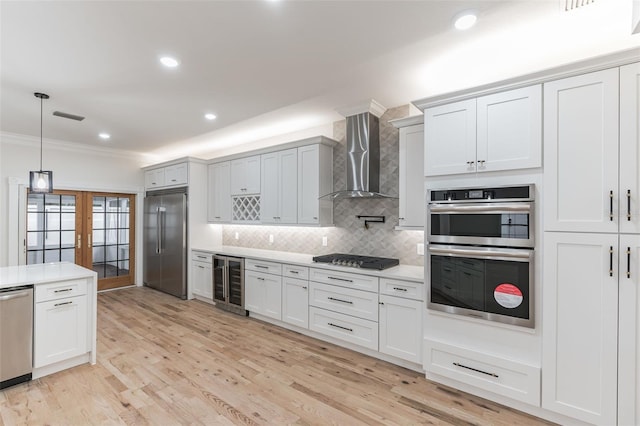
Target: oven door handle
{"type": "Point", "coordinates": [482, 254]}
{"type": "Point", "coordinates": [485, 208]}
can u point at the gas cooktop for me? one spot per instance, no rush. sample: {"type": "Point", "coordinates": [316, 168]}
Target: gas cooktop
{"type": "Point", "coordinates": [353, 260]}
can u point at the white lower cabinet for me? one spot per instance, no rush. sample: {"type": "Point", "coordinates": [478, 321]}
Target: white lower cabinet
{"type": "Point", "coordinates": [263, 294]}
{"type": "Point", "coordinates": [344, 327]}
{"type": "Point", "coordinates": [401, 328]}
{"type": "Point", "coordinates": [496, 374]}
{"type": "Point", "coordinates": [580, 323]}
{"type": "Point", "coordinates": [60, 322]}
{"type": "Point", "coordinates": [295, 301]}
{"type": "Point", "coordinates": [202, 275]}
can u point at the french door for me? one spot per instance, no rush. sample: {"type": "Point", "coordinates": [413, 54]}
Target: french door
{"type": "Point", "coordinates": [91, 229]}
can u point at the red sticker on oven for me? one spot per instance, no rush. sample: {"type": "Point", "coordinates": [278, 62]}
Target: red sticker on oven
{"type": "Point", "coordinates": [508, 295]}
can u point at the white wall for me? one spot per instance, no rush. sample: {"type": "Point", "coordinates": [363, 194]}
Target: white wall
{"type": "Point", "coordinates": [74, 167]}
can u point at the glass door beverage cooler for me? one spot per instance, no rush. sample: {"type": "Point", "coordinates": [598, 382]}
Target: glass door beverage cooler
{"type": "Point", "coordinates": [228, 283]}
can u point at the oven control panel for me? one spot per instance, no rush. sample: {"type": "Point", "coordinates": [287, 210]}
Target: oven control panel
{"type": "Point", "coordinates": [508, 193]}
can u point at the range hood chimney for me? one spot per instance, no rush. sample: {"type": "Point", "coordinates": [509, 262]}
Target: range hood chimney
{"type": "Point", "coordinates": [363, 153]}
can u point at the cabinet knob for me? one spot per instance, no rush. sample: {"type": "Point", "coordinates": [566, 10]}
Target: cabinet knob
{"type": "Point", "coordinates": [315, 217]}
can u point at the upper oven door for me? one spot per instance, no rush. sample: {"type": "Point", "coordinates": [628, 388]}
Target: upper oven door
{"type": "Point", "coordinates": [508, 224]}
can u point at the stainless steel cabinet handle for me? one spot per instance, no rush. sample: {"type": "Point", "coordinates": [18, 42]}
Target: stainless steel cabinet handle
{"type": "Point", "coordinates": [260, 278]}
{"type": "Point", "coordinates": [304, 287]}
{"type": "Point", "coordinates": [475, 369]}
{"type": "Point", "coordinates": [62, 290]}
{"type": "Point", "coordinates": [339, 326]}
{"type": "Point", "coordinates": [611, 206]}
{"type": "Point", "coordinates": [340, 279]}
{"type": "Point", "coordinates": [400, 289]}
{"type": "Point", "coordinates": [79, 241]}
{"type": "Point", "coordinates": [294, 272]}
{"type": "Point", "coordinates": [63, 303]}
{"type": "Point", "coordinates": [262, 267]}
{"type": "Point", "coordinates": [610, 261]}
{"type": "Point", "coordinates": [340, 300]}
{"type": "Point", "coordinates": [628, 262]}
{"type": "Point", "coordinates": [628, 205]}
{"type": "Point", "coordinates": [201, 267]}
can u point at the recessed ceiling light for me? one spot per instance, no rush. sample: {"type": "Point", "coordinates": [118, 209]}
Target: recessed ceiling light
{"type": "Point", "coordinates": [104, 136]}
{"type": "Point", "coordinates": [169, 62]}
{"type": "Point", "coordinates": [465, 20]}
{"type": "Point", "coordinates": [210, 116]}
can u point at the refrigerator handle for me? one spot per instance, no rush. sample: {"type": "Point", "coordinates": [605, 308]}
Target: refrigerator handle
{"type": "Point", "coordinates": [157, 230]}
{"type": "Point", "coordinates": [162, 212]}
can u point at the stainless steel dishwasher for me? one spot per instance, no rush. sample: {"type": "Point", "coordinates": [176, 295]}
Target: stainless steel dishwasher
{"type": "Point", "coordinates": [16, 335]}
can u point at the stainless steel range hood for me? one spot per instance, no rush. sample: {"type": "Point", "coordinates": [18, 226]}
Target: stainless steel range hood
{"type": "Point", "coordinates": [363, 158]}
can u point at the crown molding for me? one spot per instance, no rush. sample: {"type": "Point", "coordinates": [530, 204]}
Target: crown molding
{"type": "Point", "coordinates": [371, 106]}
{"type": "Point", "coordinates": [33, 141]}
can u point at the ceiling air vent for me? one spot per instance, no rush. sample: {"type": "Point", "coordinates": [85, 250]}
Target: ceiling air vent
{"type": "Point", "coordinates": [570, 5]}
{"type": "Point", "coordinates": [67, 115]}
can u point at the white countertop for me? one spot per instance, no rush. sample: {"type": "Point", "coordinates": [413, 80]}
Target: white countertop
{"type": "Point", "coordinates": [12, 276]}
{"type": "Point", "coordinates": [403, 272]}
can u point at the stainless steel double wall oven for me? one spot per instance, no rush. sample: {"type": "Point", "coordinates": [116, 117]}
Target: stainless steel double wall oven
{"type": "Point", "coordinates": [481, 253]}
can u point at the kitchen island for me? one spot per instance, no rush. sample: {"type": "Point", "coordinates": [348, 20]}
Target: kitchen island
{"type": "Point", "coordinates": [64, 313]}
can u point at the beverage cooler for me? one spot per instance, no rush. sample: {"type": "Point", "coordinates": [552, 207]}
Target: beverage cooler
{"type": "Point", "coordinates": [228, 283]}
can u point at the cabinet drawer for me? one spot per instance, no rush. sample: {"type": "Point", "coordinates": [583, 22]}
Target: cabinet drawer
{"type": "Point", "coordinates": [344, 279]}
{"type": "Point", "coordinates": [348, 301]}
{"type": "Point", "coordinates": [399, 288]}
{"type": "Point", "coordinates": [59, 290]}
{"type": "Point", "coordinates": [293, 271]}
{"type": "Point", "coordinates": [200, 256]}
{"type": "Point", "coordinates": [344, 327]}
{"type": "Point", "coordinates": [263, 266]}
{"type": "Point", "coordinates": [498, 375]}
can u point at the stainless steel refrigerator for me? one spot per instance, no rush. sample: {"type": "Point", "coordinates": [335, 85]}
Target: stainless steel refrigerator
{"type": "Point", "coordinates": [165, 241]}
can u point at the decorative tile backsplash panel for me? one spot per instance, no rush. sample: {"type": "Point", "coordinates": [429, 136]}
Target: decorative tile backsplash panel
{"type": "Point", "coordinates": [349, 234]}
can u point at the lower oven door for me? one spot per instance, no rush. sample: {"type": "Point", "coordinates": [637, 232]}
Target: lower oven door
{"type": "Point", "coordinates": [495, 284]}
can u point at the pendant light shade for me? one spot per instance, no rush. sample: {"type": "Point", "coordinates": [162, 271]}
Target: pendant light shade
{"type": "Point", "coordinates": [41, 180]}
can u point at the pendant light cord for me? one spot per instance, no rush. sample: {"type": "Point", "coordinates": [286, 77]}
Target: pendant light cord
{"type": "Point", "coordinates": [40, 134]}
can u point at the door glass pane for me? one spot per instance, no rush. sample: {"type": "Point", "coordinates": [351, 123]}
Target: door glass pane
{"type": "Point", "coordinates": [51, 222]}
{"type": "Point", "coordinates": [111, 236]}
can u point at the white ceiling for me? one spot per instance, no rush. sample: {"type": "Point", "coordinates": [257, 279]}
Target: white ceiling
{"type": "Point", "coordinates": [266, 68]}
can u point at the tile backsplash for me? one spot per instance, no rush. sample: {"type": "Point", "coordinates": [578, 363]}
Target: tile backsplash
{"type": "Point", "coordinates": [349, 234]}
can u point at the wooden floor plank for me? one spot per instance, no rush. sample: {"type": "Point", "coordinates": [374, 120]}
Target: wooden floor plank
{"type": "Point", "coordinates": [165, 361]}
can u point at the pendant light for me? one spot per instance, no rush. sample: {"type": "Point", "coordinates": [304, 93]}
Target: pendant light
{"type": "Point", "coordinates": [41, 181]}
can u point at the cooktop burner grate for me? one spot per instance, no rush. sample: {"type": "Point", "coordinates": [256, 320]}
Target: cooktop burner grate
{"type": "Point", "coordinates": [356, 261]}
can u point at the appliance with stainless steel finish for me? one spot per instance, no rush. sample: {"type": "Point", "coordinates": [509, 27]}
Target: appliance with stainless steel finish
{"type": "Point", "coordinates": [480, 253]}
{"type": "Point", "coordinates": [165, 241]}
{"type": "Point", "coordinates": [501, 216]}
{"type": "Point", "coordinates": [355, 261]}
{"type": "Point", "coordinates": [363, 158]}
{"type": "Point", "coordinates": [16, 335]}
{"type": "Point", "coordinates": [228, 283]}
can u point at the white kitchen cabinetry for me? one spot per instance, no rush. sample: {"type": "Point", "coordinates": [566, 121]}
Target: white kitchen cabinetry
{"type": "Point", "coordinates": [411, 173]}
{"type": "Point", "coordinates": [502, 131]}
{"type": "Point", "coordinates": [202, 275]}
{"type": "Point", "coordinates": [344, 306]}
{"type": "Point", "coordinates": [219, 192]}
{"type": "Point", "coordinates": [279, 194]}
{"type": "Point", "coordinates": [400, 319]}
{"type": "Point", "coordinates": [580, 322]}
{"type": "Point", "coordinates": [245, 175]}
{"type": "Point", "coordinates": [166, 177]}
{"type": "Point", "coordinates": [581, 153]}
{"type": "Point", "coordinates": [295, 295]}
{"type": "Point", "coordinates": [315, 179]}
{"type": "Point", "coordinates": [263, 288]}
{"type": "Point", "coordinates": [61, 319]}
{"type": "Point", "coordinates": [630, 148]}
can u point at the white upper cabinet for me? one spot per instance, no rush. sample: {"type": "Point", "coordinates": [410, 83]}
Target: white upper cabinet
{"type": "Point", "coordinates": [315, 179]}
{"type": "Point", "coordinates": [245, 176]}
{"type": "Point", "coordinates": [581, 153]}
{"type": "Point", "coordinates": [167, 176]}
{"type": "Point", "coordinates": [279, 195]}
{"type": "Point", "coordinates": [219, 193]}
{"type": "Point", "coordinates": [450, 138]}
{"type": "Point", "coordinates": [630, 148]}
{"type": "Point", "coordinates": [411, 179]}
{"type": "Point", "coordinates": [495, 132]}
{"type": "Point", "coordinates": [509, 130]}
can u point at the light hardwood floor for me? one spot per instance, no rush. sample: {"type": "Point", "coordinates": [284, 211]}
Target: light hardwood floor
{"type": "Point", "coordinates": [164, 361]}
